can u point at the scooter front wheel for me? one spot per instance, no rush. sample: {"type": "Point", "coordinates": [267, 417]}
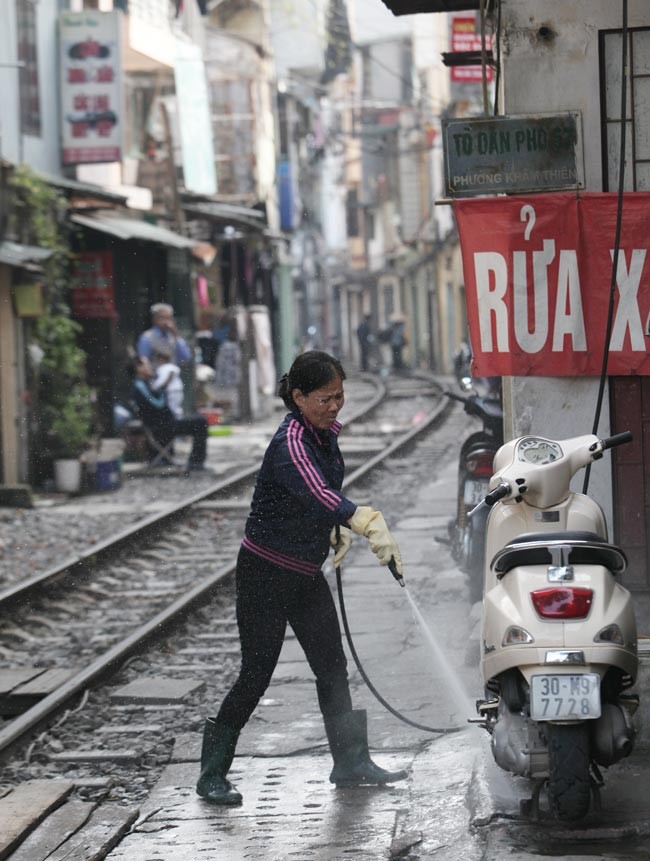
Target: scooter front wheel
{"type": "Point", "coordinates": [568, 783]}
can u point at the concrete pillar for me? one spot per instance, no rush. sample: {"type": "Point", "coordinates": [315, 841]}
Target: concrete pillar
{"type": "Point", "coordinates": [286, 321]}
{"type": "Point", "coordinates": [10, 456]}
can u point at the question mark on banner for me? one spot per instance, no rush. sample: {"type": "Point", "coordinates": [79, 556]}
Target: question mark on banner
{"type": "Point", "coordinates": [527, 214]}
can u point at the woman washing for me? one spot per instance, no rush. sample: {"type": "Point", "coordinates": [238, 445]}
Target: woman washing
{"type": "Point", "coordinates": [296, 514]}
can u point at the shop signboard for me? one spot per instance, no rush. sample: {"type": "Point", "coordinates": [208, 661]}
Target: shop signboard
{"type": "Point", "coordinates": [465, 38]}
{"type": "Point", "coordinates": [517, 154]}
{"type": "Point", "coordinates": [91, 87]}
{"type": "Point", "coordinates": [92, 284]}
{"type": "Point", "coordinates": [538, 274]}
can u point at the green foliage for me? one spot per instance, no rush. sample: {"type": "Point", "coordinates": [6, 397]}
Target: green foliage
{"type": "Point", "coordinates": [38, 214]}
{"type": "Point", "coordinates": [65, 404]}
{"type": "Point", "coordinates": [62, 400]}
{"type": "Point", "coordinates": [70, 430]}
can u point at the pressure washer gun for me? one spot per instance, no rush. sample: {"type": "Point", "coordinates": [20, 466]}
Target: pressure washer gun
{"type": "Point", "coordinates": [392, 567]}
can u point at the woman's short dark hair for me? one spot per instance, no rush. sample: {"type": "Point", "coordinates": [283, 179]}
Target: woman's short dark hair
{"type": "Point", "coordinates": [310, 371]}
{"type": "Point", "coordinates": [133, 366]}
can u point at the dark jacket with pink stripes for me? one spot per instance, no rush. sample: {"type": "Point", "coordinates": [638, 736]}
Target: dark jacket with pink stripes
{"type": "Point", "coordinates": [297, 500]}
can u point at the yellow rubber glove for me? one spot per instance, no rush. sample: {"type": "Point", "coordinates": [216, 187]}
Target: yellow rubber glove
{"type": "Point", "coordinates": [340, 544]}
{"type": "Point", "coordinates": [371, 524]}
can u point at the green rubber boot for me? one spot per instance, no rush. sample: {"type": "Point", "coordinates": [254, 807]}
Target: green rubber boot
{"type": "Point", "coordinates": [219, 742]}
{"type": "Point", "coordinates": [347, 734]}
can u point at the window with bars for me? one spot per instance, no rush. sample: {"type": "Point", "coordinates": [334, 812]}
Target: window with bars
{"type": "Point", "coordinates": [234, 130]}
{"type": "Point", "coordinates": [637, 109]}
{"type": "Point", "coordinates": [27, 49]}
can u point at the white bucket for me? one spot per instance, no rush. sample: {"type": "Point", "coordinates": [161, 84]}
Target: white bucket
{"type": "Point", "coordinates": [67, 475]}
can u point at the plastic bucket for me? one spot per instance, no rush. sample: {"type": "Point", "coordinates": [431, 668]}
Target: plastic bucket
{"type": "Point", "coordinates": [67, 475]}
{"type": "Point", "coordinates": [107, 475]}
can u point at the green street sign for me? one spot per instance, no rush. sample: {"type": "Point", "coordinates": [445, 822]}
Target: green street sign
{"type": "Point", "coordinates": [512, 154]}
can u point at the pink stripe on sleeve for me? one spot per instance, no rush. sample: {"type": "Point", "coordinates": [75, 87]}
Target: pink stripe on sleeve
{"type": "Point", "coordinates": [306, 469]}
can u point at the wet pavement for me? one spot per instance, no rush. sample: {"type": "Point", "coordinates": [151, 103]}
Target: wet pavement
{"type": "Point", "coordinates": [282, 766]}
{"type": "Point", "coordinates": [456, 804]}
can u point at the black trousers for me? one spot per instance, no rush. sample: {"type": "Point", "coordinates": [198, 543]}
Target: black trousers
{"type": "Point", "coordinates": [195, 426]}
{"type": "Point", "coordinates": [267, 599]}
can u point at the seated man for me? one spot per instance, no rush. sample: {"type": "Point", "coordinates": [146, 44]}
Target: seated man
{"type": "Point", "coordinates": [160, 420]}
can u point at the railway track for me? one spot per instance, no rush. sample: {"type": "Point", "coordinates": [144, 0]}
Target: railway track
{"type": "Point", "coordinates": [80, 620]}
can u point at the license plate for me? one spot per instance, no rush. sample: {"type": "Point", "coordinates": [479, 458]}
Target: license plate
{"type": "Point", "coordinates": [474, 491]}
{"type": "Point", "coordinates": [565, 697]}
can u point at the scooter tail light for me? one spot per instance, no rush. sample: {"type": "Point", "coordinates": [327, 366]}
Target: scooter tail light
{"type": "Point", "coordinates": [610, 634]}
{"type": "Point", "coordinates": [480, 463]}
{"type": "Point", "coordinates": [562, 602]}
{"type": "Point", "coordinates": [516, 636]}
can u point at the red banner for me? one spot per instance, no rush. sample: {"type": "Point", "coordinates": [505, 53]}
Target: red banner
{"type": "Point", "coordinates": [92, 284]}
{"type": "Point", "coordinates": [538, 270]}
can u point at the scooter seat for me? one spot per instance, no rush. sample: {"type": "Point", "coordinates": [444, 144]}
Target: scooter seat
{"type": "Point", "coordinates": [559, 549]}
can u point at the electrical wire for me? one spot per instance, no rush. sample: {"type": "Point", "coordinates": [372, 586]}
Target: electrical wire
{"type": "Point", "coordinates": [364, 676]}
{"type": "Point", "coordinates": [617, 240]}
{"type": "Point", "coordinates": [497, 73]}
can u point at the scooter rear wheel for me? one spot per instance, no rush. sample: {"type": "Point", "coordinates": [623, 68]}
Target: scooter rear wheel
{"type": "Point", "coordinates": [569, 789]}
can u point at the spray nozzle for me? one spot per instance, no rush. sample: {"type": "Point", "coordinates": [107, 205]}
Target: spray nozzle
{"type": "Point", "coordinates": [392, 567]}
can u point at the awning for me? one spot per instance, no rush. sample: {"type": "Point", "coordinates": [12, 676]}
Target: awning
{"type": "Point", "coordinates": [409, 7]}
{"type": "Point", "coordinates": [129, 228]}
{"type": "Point", "coordinates": [227, 213]}
{"type": "Point", "coordinates": [14, 254]}
{"type": "Point", "coordinates": [84, 189]}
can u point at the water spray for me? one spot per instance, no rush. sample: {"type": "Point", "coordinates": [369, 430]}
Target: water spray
{"type": "Point", "coordinates": [339, 585]}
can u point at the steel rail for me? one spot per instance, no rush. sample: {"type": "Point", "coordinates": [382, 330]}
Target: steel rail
{"type": "Point", "coordinates": [97, 552]}
{"type": "Point", "coordinates": [39, 713]}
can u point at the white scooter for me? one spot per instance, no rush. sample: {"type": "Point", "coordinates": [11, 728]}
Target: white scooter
{"type": "Point", "coordinates": [558, 639]}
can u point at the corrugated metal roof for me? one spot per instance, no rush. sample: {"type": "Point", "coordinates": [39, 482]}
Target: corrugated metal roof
{"type": "Point", "coordinates": [240, 216]}
{"type": "Point", "coordinates": [83, 188]}
{"type": "Point", "coordinates": [130, 228]}
{"type": "Point", "coordinates": [15, 254]}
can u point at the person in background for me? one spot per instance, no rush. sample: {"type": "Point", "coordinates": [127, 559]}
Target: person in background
{"type": "Point", "coordinates": [163, 336]}
{"type": "Point", "coordinates": [168, 380]}
{"type": "Point", "coordinates": [366, 340]}
{"type": "Point", "coordinates": [156, 415]}
{"type": "Point", "coordinates": [225, 324]}
{"type": "Point", "coordinates": [297, 513]}
{"type": "Point", "coordinates": [206, 342]}
{"type": "Point", "coordinates": [228, 372]}
{"type": "Point", "coordinates": [397, 341]}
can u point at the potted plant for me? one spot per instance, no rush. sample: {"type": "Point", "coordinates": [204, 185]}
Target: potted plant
{"type": "Point", "coordinates": [60, 408]}
{"type": "Point", "coordinates": [64, 400]}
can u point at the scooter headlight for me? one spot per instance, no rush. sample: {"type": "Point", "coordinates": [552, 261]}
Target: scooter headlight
{"type": "Point", "coordinates": [516, 636]}
{"type": "Point", "coordinates": [610, 634]}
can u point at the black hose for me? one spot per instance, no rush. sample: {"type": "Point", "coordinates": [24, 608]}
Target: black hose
{"type": "Point", "coordinates": [497, 74]}
{"type": "Point", "coordinates": [372, 688]}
